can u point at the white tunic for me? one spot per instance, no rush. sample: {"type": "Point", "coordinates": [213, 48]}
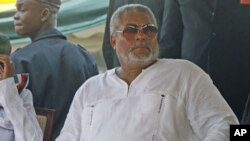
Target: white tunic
{"type": "Point", "coordinates": [172, 100]}
{"type": "Point", "coordinates": [18, 114]}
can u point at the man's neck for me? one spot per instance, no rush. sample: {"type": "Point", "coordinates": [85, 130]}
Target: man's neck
{"type": "Point", "coordinates": [128, 72]}
{"type": "Point", "coordinates": [127, 75]}
{"type": "Point", "coordinates": [44, 28]}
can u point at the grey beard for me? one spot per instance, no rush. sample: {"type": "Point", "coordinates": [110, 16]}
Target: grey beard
{"type": "Point", "coordinates": [140, 60]}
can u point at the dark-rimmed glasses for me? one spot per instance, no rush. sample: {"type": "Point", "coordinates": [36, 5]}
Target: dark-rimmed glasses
{"type": "Point", "coordinates": [130, 31]}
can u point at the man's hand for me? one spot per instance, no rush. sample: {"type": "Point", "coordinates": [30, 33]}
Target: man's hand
{"type": "Point", "coordinates": [6, 67]}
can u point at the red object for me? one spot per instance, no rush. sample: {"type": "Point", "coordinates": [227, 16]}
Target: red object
{"type": "Point", "coordinates": [244, 1]}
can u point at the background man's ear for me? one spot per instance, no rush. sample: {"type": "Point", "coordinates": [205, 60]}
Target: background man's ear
{"type": "Point", "coordinates": [45, 14]}
{"type": "Point", "coordinates": [112, 40]}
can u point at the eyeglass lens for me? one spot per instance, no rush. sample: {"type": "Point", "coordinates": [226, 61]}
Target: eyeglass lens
{"type": "Point", "coordinates": [131, 31]}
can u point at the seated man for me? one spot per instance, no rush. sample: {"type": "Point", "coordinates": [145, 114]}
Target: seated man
{"type": "Point", "coordinates": [17, 115]}
{"type": "Point", "coordinates": [146, 99]}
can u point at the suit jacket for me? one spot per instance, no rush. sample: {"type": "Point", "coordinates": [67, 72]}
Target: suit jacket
{"type": "Point", "coordinates": [214, 34]}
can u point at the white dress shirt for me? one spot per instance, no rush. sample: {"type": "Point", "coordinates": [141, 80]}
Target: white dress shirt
{"type": "Point", "coordinates": [172, 100]}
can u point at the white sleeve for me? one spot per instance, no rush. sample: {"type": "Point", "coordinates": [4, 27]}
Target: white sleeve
{"type": "Point", "coordinates": [20, 111]}
{"type": "Point", "coordinates": [71, 130]}
{"type": "Point", "coordinates": [208, 112]}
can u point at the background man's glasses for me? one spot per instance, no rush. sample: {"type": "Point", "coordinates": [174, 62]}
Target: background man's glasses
{"type": "Point", "coordinates": [130, 31]}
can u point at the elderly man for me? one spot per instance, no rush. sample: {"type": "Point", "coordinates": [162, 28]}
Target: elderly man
{"type": "Point", "coordinates": [17, 115]}
{"type": "Point", "coordinates": [146, 99]}
{"type": "Point", "coordinates": [57, 67]}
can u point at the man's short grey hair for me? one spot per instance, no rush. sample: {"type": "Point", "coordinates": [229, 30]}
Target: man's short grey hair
{"type": "Point", "coordinates": [114, 21]}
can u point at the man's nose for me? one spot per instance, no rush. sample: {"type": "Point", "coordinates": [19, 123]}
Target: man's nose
{"type": "Point", "coordinates": [140, 35]}
{"type": "Point", "coordinates": [16, 16]}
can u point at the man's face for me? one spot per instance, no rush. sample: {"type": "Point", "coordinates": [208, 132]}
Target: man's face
{"type": "Point", "coordinates": [140, 49]}
{"type": "Point", "coordinates": [27, 20]}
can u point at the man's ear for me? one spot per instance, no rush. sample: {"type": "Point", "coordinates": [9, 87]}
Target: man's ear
{"type": "Point", "coordinates": [45, 14]}
{"type": "Point", "coordinates": [112, 40]}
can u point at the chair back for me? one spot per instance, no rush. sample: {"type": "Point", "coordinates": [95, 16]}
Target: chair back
{"type": "Point", "coordinates": [46, 120]}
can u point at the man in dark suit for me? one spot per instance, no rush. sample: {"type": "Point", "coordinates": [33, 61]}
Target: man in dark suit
{"type": "Point", "coordinates": [214, 34]}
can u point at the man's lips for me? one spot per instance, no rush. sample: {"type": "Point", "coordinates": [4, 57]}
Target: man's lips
{"type": "Point", "coordinates": [141, 48]}
{"type": "Point", "coordinates": [17, 24]}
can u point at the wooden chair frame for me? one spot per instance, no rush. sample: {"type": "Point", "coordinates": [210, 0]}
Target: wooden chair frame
{"type": "Point", "coordinates": [50, 120]}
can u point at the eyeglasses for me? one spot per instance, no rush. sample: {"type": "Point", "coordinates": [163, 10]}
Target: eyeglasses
{"type": "Point", "coordinates": [130, 31]}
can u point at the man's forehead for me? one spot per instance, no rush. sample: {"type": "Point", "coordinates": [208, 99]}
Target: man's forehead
{"type": "Point", "coordinates": [136, 19]}
{"type": "Point", "coordinates": [136, 15]}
